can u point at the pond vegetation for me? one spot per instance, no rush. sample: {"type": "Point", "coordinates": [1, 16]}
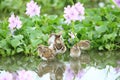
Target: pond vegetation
{"type": "Point", "coordinates": [100, 26]}
{"type": "Point", "coordinates": [26, 25]}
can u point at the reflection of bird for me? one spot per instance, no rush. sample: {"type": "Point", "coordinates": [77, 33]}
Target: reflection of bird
{"type": "Point", "coordinates": [45, 53]}
{"type": "Point", "coordinates": [58, 44]}
{"type": "Point", "coordinates": [75, 65]}
{"type": "Point", "coordinates": [55, 69]}
{"type": "Point", "coordinates": [75, 51]}
{"type": "Point", "coordinates": [45, 67]}
{"type": "Point", "coordinates": [84, 44]}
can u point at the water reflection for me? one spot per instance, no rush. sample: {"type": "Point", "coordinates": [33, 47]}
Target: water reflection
{"type": "Point", "coordinates": [54, 69]}
{"type": "Point", "coordinates": [73, 70]}
{"type": "Point", "coordinates": [87, 67]}
{"type": "Point", "coordinates": [63, 71]}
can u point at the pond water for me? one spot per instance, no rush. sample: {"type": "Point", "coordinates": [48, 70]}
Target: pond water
{"type": "Point", "coordinates": [89, 66]}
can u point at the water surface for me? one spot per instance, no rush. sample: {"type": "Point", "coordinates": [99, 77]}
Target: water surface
{"type": "Point", "coordinates": [89, 66]}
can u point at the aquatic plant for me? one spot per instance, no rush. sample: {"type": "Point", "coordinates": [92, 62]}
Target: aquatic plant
{"type": "Point", "coordinates": [73, 13]}
{"type": "Point", "coordinates": [14, 23]}
{"type": "Point", "coordinates": [100, 26]}
{"type": "Point", "coordinates": [32, 9]}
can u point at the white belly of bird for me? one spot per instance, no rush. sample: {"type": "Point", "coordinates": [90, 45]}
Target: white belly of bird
{"type": "Point", "coordinates": [84, 48]}
{"type": "Point", "coordinates": [59, 51]}
{"type": "Point", "coordinates": [44, 58]}
{"type": "Point", "coordinates": [51, 39]}
{"type": "Point", "coordinates": [75, 54]}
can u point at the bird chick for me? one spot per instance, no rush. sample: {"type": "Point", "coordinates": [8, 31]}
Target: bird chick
{"type": "Point", "coordinates": [45, 53]}
{"type": "Point", "coordinates": [75, 51]}
{"type": "Point", "coordinates": [58, 46]}
{"type": "Point", "coordinates": [52, 37]}
{"type": "Point", "coordinates": [84, 44]}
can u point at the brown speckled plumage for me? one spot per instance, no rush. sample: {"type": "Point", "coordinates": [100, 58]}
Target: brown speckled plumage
{"type": "Point", "coordinates": [84, 44]}
{"type": "Point", "coordinates": [45, 53]}
{"type": "Point", "coordinates": [75, 51]}
{"type": "Point", "coordinates": [58, 45]}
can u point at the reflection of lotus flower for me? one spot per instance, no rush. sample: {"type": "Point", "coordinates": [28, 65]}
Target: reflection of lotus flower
{"type": "Point", "coordinates": [117, 69]}
{"type": "Point", "coordinates": [117, 2]}
{"type": "Point", "coordinates": [14, 76]}
{"type": "Point", "coordinates": [25, 75]}
{"type": "Point", "coordinates": [6, 76]}
{"type": "Point", "coordinates": [69, 74]}
{"type": "Point", "coordinates": [80, 75]}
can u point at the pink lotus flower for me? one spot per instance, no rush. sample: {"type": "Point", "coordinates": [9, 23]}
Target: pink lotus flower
{"type": "Point", "coordinates": [32, 9]}
{"type": "Point", "coordinates": [79, 7]}
{"type": "Point", "coordinates": [73, 13]}
{"type": "Point", "coordinates": [14, 22]}
{"type": "Point", "coordinates": [6, 76]}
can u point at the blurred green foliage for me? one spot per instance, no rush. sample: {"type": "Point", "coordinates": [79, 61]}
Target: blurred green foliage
{"type": "Point", "coordinates": [47, 6]}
